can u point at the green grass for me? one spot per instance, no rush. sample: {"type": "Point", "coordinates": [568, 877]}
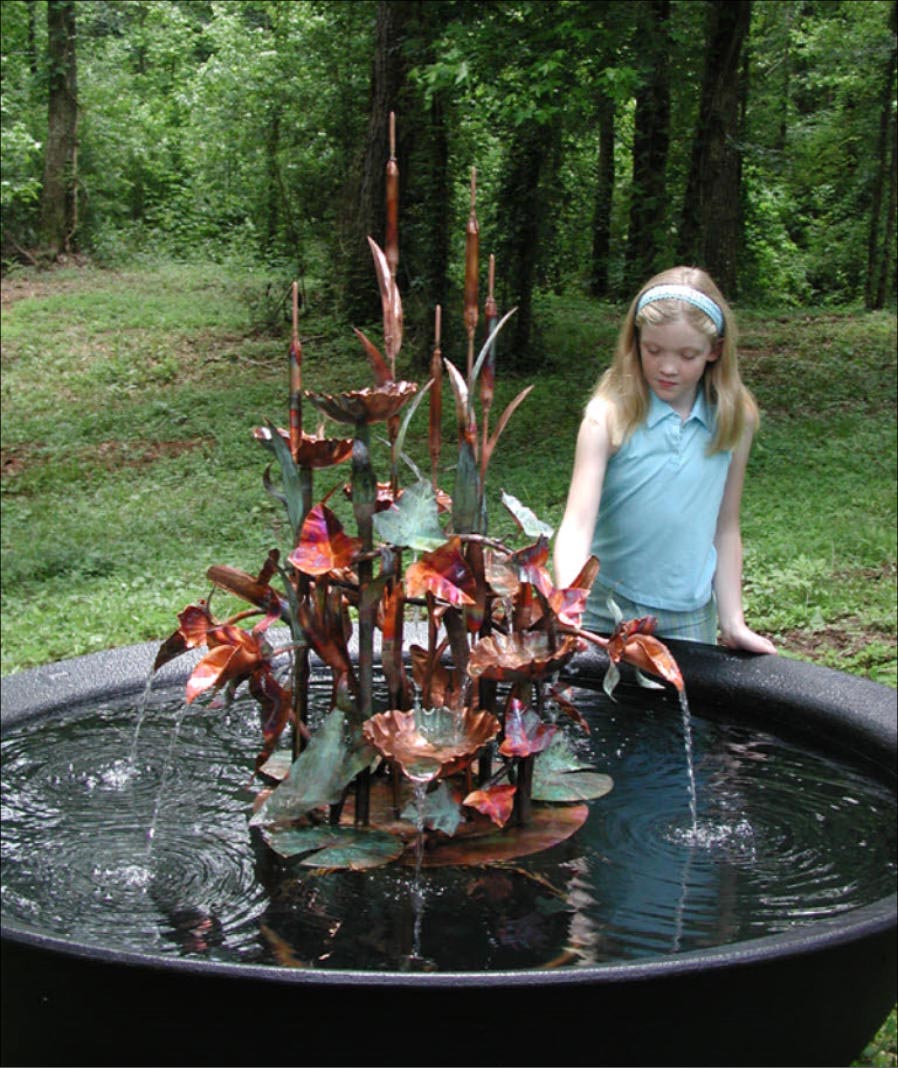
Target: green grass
{"type": "Point", "coordinates": [128, 399]}
{"type": "Point", "coordinates": [129, 467]}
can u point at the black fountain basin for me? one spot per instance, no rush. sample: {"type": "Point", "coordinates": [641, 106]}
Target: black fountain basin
{"type": "Point", "coordinates": [810, 996]}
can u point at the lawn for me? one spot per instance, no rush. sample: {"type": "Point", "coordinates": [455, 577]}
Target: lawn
{"type": "Point", "coordinates": [129, 465]}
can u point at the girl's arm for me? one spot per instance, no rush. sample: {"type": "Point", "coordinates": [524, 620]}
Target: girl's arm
{"type": "Point", "coordinates": [734, 632]}
{"type": "Point", "coordinates": [574, 539]}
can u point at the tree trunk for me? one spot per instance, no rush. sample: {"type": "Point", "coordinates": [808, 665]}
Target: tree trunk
{"type": "Point", "coordinates": [601, 229]}
{"type": "Point", "coordinates": [524, 206]}
{"type": "Point", "coordinates": [887, 261]}
{"type": "Point", "coordinates": [272, 178]}
{"type": "Point", "coordinates": [59, 217]}
{"type": "Point", "coordinates": [405, 32]}
{"type": "Point", "coordinates": [425, 219]}
{"type": "Point", "coordinates": [791, 14]}
{"type": "Point", "coordinates": [711, 229]}
{"type": "Point", "coordinates": [651, 138]}
{"type": "Point", "coordinates": [879, 249]}
{"type": "Point", "coordinates": [31, 6]}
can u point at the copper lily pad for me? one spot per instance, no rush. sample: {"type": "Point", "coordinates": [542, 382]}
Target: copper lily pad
{"type": "Point", "coordinates": [485, 844]}
{"type": "Point", "coordinates": [355, 849]}
{"type": "Point", "coordinates": [478, 841]}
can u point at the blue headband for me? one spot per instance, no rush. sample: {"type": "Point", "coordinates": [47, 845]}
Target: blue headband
{"type": "Point", "coordinates": [689, 296]}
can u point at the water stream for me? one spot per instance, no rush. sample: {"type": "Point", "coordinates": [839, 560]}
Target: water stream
{"type": "Point", "coordinates": [415, 960]}
{"type": "Point", "coordinates": [779, 837]}
{"type": "Point", "coordinates": [690, 762]}
{"type": "Point", "coordinates": [166, 771]}
{"type": "Point", "coordinates": [142, 703]}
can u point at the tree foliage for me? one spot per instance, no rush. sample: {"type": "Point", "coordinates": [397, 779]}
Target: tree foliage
{"type": "Point", "coordinates": [257, 128]}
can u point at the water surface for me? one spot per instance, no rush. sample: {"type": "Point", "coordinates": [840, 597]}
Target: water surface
{"type": "Point", "coordinates": [782, 838]}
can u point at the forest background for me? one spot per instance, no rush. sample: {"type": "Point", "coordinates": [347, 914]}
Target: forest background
{"type": "Point", "coordinates": [611, 139]}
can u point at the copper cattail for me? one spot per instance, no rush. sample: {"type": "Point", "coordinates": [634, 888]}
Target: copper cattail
{"type": "Point", "coordinates": [295, 358]}
{"type": "Point", "coordinates": [391, 237]}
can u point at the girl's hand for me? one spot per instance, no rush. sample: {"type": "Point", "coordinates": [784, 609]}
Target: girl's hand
{"type": "Point", "coordinates": [742, 637]}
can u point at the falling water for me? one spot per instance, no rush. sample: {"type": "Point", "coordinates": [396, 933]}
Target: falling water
{"type": "Point", "coordinates": [163, 782]}
{"type": "Point", "coordinates": [142, 703]}
{"type": "Point", "coordinates": [680, 913]}
{"type": "Point", "coordinates": [690, 766]}
{"type": "Point", "coordinates": [415, 960]}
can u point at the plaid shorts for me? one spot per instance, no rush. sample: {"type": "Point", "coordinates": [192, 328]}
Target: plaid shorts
{"type": "Point", "coordinates": [699, 625]}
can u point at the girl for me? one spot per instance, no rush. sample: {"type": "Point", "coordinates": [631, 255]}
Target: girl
{"type": "Point", "coordinates": [659, 469]}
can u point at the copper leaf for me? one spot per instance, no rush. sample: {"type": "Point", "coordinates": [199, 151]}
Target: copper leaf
{"type": "Point", "coordinates": [193, 621]}
{"type": "Point", "coordinates": [412, 521]}
{"type": "Point", "coordinates": [290, 477]}
{"type": "Point", "coordinates": [649, 653]}
{"type": "Point", "coordinates": [382, 373]}
{"type": "Point", "coordinates": [390, 301]}
{"type": "Point", "coordinates": [250, 589]}
{"type": "Point", "coordinates": [525, 732]}
{"type": "Point", "coordinates": [274, 709]}
{"type": "Point", "coordinates": [357, 849]}
{"type": "Point", "coordinates": [323, 544]}
{"type": "Point", "coordinates": [490, 446]}
{"type": "Point", "coordinates": [467, 495]}
{"type": "Point", "coordinates": [563, 698]}
{"type": "Point", "coordinates": [497, 802]}
{"type": "Point", "coordinates": [444, 573]}
{"type": "Point", "coordinates": [526, 520]}
{"type": "Point", "coordinates": [318, 776]}
{"type": "Point", "coordinates": [488, 346]}
{"type": "Point", "coordinates": [559, 775]}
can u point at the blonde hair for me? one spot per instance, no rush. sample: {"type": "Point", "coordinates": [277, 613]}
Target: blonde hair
{"type": "Point", "coordinates": [624, 386]}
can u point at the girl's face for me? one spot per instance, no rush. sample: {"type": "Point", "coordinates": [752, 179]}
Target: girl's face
{"type": "Point", "coordinates": [673, 357]}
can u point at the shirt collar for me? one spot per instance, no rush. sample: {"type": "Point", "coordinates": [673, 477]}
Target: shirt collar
{"type": "Point", "coordinates": [659, 409]}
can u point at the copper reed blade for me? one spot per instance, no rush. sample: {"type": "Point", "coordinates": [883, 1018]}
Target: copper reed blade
{"type": "Point", "coordinates": [488, 371]}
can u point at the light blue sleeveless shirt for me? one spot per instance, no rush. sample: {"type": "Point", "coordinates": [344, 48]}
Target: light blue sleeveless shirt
{"type": "Point", "coordinates": [661, 496]}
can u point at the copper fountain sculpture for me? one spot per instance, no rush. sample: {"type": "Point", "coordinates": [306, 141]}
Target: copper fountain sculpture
{"type": "Point", "coordinates": [470, 751]}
